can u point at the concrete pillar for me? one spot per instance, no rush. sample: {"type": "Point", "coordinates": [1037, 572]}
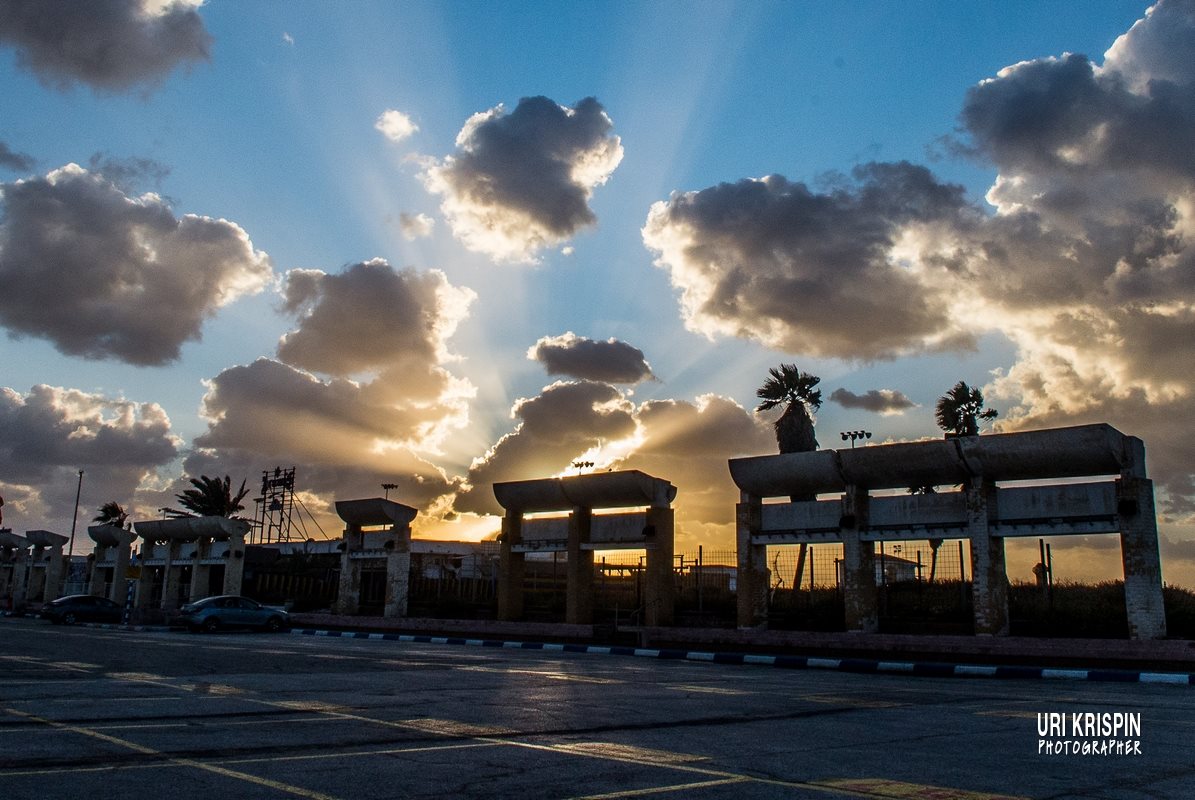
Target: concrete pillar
{"type": "Point", "coordinates": [510, 568]}
{"type": "Point", "coordinates": [348, 597]}
{"type": "Point", "coordinates": [1142, 562]}
{"type": "Point", "coordinates": [752, 589]}
{"type": "Point", "coordinates": [860, 596]}
{"type": "Point", "coordinates": [398, 573]}
{"type": "Point", "coordinates": [989, 576]}
{"type": "Point", "coordinates": [200, 572]}
{"type": "Point", "coordinates": [118, 590]}
{"type": "Point", "coordinates": [660, 587]}
{"type": "Point", "coordinates": [578, 604]}
{"type": "Point", "coordinates": [16, 555]}
{"type": "Point", "coordinates": [234, 572]}
{"type": "Point", "coordinates": [55, 574]}
{"type": "Point", "coordinates": [145, 583]}
{"type": "Point", "coordinates": [171, 574]}
{"type": "Point", "coordinates": [99, 575]}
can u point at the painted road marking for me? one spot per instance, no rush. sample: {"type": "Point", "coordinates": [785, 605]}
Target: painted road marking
{"type": "Point", "coordinates": [677, 787]}
{"type": "Point", "coordinates": [298, 791]}
{"type": "Point", "coordinates": [642, 755]}
{"type": "Point", "coordinates": [879, 787]}
{"type": "Point", "coordinates": [707, 689]}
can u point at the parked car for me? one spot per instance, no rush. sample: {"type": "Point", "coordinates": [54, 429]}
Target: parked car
{"type": "Point", "coordinates": [231, 611]}
{"type": "Point", "coordinates": [81, 608]}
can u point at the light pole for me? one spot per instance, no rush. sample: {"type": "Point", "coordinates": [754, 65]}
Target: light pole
{"type": "Point", "coordinates": [388, 487]}
{"type": "Point", "coordinates": [70, 550]}
{"type": "Point", "coordinates": [580, 465]}
{"type": "Point", "coordinates": [854, 435]}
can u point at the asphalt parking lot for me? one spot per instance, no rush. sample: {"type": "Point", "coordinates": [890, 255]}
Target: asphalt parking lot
{"type": "Point", "coordinates": [99, 713]}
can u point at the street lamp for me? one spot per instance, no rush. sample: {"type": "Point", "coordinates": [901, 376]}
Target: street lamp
{"type": "Point", "coordinates": [854, 435]}
{"type": "Point", "coordinates": [580, 465]}
{"type": "Point", "coordinates": [388, 487]}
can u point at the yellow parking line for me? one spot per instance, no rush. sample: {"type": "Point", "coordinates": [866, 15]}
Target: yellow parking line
{"type": "Point", "coordinates": [678, 787]}
{"type": "Point", "coordinates": [298, 791]}
{"type": "Point", "coordinates": [898, 790]}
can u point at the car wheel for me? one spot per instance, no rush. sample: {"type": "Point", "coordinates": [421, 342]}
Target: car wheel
{"type": "Point", "coordinates": [68, 618]}
{"type": "Point", "coordinates": [273, 624]}
{"type": "Point", "coordinates": [211, 625]}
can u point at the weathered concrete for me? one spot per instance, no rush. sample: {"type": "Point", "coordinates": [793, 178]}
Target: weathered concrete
{"type": "Point", "coordinates": [113, 547]}
{"type": "Point", "coordinates": [752, 584]}
{"type": "Point", "coordinates": [983, 513]}
{"type": "Point", "coordinates": [48, 565]}
{"type": "Point", "coordinates": [392, 545]}
{"type": "Point", "coordinates": [581, 533]}
{"type": "Point", "coordinates": [859, 594]}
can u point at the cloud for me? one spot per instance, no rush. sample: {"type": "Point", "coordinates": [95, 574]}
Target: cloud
{"type": "Point", "coordinates": [681, 441]}
{"type": "Point", "coordinates": [49, 434]}
{"type": "Point", "coordinates": [817, 273]}
{"type": "Point", "coordinates": [415, 226]}
{"type": "Point", "coordinates": [1086, 264]}
{"type": "Point", "coordinates": [878, 401]}
{"type": "Point", "coordinates": [288, 39]}
{"type": "Point", "coordinates": [555, 427]}
{"type": "Point", "coordinates": [127, 174]}
{"type": "Point", "coordinates": [688, 443]}
{"type": "Point", "coordinates": [611, 361]}
{"type": "Point", "coordinates": [111, 45]}
{"type": "Point", "coordinates": [17, 162]}
{"type": "Point", "coordinates": [521, 181]}
{"type": "Point", "coordinates": [104, 275]}
{"type": "Point", "coordinates": [347, 436]}
{"type": "Point", "coordinates": [371, 316]}
{"type": "Point", "coordinates": [395, 125]}
{"type": "Point", "coordinates": [1089, 259]}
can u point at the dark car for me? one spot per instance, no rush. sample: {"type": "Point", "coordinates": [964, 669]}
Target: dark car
{"type": "Point", "coordinates": [81, 608]}
{"type": "Point", "coordinates": [231, 611]}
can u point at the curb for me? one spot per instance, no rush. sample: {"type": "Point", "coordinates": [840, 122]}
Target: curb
{"type": "Point", "coordinates": [857, 665]}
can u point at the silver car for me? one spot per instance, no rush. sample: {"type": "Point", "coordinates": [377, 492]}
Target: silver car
{"type": "Point", "coordinates": [230, 611]}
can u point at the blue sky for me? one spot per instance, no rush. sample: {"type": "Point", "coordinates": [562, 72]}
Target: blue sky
{"type": "Point", "coordinates": [274, 132]}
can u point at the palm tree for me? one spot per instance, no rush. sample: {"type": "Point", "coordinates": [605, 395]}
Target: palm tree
{"type": "Point", "coordinates": [111, 513]}
{"type": "Point", "coordinates": [960, 410]}
{"type": "Point", "coordinates": [211, 497]}
{"type": "Point", "coordinates": [794, 389]}
{"type": "Point", "coordinates": [788, 386]}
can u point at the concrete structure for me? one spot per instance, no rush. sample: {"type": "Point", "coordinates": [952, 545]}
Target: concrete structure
{"type": "Point", "coordinates": [47, 565]}
{"type": "Point", "coordinates": [110, 561]}
{"type": "Point", "coordinates": [581, 533]}
{"type": "Point", "coordinates": [392, 545]}
{"type": "Point", "coordinates": [14, 569]}
{"type": "Point", "coordinates": [190, 547]}
{"type": "Point", "coordinates": [983, 512]}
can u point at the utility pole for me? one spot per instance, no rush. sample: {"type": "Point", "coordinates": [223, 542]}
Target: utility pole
{"type": "Point", "coordinates": [70, 550]}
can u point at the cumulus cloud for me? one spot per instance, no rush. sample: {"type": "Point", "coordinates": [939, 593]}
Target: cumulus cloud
{"type": "Point", "coordinates": [11, 160]}
{"type": "Point", "coordinates": [415, 226]}
{"type": "Point", "coordinates": [1086, 263]}
{"type": "Point", "coordinates": [521, 181]}
{"type": "Point", "coordinates": [685, 442]}
{"type": "Point", "coordinates": [555, 427]}
{"type": "Point", "coordinates": [1090, 253]}
{"type": "Point", "coordinates": [819, 273]}
{"type": "Point", "coordinates": [688, 443]}
{"type": "Point", "coordinates": [101, 274]}
{"type": "Point", "coordinates": [111, 45]}
{"type": "Point", "coordinates": [610, 361]}
{"type": "Point", "coordinates": [878, 401]}
{"type": "Point", "coordinates": [371, 316]}
{"type": "Point", "coordinates": [347, 433]}
{"type": "Point", "coordinates": [395, 125]}
{"type": "Point", "coordinates": [49, 434]}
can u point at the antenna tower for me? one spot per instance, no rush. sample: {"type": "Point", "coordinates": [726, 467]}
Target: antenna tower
{"type": "Point", "coordinates": [275, 506]}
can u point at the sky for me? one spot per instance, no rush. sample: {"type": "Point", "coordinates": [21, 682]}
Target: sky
{"type": "Point", "coordinates": [443, 244]}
